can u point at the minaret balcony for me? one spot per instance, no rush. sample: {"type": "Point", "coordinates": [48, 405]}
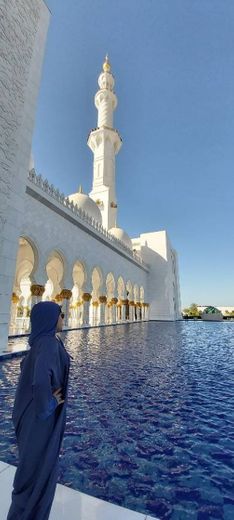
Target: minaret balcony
{"type": "Point", "coordinates": [98, 136]}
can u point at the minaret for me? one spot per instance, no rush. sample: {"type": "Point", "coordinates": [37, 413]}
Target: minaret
{"type": "Point", "coordinates": [105, 143]}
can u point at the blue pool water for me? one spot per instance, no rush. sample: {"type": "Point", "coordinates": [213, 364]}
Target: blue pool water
{"type": "Point", "coordinates": [150, 419]}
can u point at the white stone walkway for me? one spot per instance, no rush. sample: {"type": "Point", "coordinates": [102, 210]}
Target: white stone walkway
{"type": "Point", "coordinates": [68, 503]}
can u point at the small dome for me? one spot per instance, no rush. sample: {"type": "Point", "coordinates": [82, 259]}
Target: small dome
{"type": "Point", "coordinates": [85, 203]}
{"type": "Point", "coordinates": [121, 235]}
{"type": "Point", "coordinates": [211, 310]}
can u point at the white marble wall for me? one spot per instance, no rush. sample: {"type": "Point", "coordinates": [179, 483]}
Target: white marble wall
{"type": "Point", "coordinates": [163, 280]}
{"type": "Point", "coordinates": [176, 285]}
{"type": "Point", "coordinates": [23, 29]}
{"type": "Point", "coordinates": [49, 231]}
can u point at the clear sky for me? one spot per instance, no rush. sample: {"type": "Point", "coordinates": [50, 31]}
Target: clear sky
{"type": "Point", "coordinates": [173, 62]}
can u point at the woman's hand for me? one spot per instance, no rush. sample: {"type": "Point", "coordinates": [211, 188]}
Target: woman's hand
{"type": "Point", "coordinates": [58, 396]}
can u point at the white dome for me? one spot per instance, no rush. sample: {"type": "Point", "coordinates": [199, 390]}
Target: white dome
{"type": "Point", "coordinates": [121, 235]}
{"type": "Point", "coordinates": [88, 205]}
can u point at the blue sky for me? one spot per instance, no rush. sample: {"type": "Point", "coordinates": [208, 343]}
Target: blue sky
{"type": "Point", "coordinates": [173, 62]}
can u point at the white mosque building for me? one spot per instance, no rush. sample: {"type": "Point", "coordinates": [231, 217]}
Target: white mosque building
{"type": "Point", "coordinates": [71, 250]}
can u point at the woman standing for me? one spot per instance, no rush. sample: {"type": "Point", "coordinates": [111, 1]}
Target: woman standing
{"type": "Point", "coordinates": [39, 415]}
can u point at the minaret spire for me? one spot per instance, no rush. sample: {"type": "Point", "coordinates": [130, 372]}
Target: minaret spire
{"type": "Point", "coordinates": [106, 65]}
{"type": "Point", "coordinates": [105, 143]}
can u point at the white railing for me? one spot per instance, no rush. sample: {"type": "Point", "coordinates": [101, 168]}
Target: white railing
{"type": "Point", "coordinates": [64, 201]}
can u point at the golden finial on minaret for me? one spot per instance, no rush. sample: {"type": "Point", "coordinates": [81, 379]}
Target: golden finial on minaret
{"type": "Point", "coordinates": [106, 65]}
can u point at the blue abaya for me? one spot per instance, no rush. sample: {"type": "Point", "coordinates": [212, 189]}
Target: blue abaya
{"type": "Point", "coordinates": [38, 420]}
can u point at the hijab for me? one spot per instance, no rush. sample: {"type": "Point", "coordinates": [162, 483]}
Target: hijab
{"type": "Point", "coordinates": [44, 318]}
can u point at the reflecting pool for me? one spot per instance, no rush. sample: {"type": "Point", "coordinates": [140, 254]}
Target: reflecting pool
{"type": "Point", "coordinates": [150, 421]}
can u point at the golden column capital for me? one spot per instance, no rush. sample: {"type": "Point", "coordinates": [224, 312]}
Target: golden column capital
{"type": "Point", "coordinates": [66, 294]}
{"type": "Point", "coordinates": [124, 302]}
{"type": "Point", "coordinates": [14, 298]}
{"type": "Point", "coordinates": [37, 290]}
{"type": "Point", "coordinates": [103, 299]}
{"type": "Point", "coordinates": [138, 304]}
{"type": "Point", "coordinates": [114, 301]}
{"type": "Point", "coordinates": [86, 297]}
{"type": "Point", "coordinates": [132, 303]}
{"type": "Point", "coordinates": [95, 304]}
{"type": "Point", "coordinates": [58, 298]}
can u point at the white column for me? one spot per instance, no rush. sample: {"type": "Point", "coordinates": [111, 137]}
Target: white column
{"type": "Point", "coordinates": [66, 295]}
{"type": "Point", "coordinates": [79, 313]}
{"type": "Point", "coordinates": [66, 317]}
{"type": "Point", "coordinates": [86, 304]}
{"type": "Point", "coordinates": [26, 319]}
{"type": "Point", "coordinates": [134, 312]}
{"type": "Point", "coordinates": [75, 314]}
{"type": "Point", "coordinates": [102, 300]}
{"type": "Point", "coordinates": [25, 311]}
{"type": "Point", "coordinates": [131, 310]}
{"type": "Point", "coordinates": [95, 305]}
{"type": "Point", "coordinates": [118, 309]}
{"type": "Point", "coordinates": [108, 313]}
{"type": "Point", "coordinates": [114, 309]}
{"type": "Point", "coordinates": [13, 314]}
{"type": "Point", "coordinates": [123, 310]}
{"type": "Point", "coordinates": [14, 305]}
{"type": "Point", "coordinates": [138, 311]}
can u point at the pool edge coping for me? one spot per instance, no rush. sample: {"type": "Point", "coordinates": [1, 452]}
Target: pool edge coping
{"type": "Point", "coordinates": [139, 515]}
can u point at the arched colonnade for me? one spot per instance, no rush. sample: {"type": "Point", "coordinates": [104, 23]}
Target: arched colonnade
{"type": "Point", "coordinates": [88, 296]}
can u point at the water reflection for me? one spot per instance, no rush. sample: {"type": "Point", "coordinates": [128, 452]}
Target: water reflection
{"type": "Point", "coordinates": [150, 417]}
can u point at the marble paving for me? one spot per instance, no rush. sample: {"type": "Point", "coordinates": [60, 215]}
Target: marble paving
{"type": "Point", "coordinates": [68, 503]}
